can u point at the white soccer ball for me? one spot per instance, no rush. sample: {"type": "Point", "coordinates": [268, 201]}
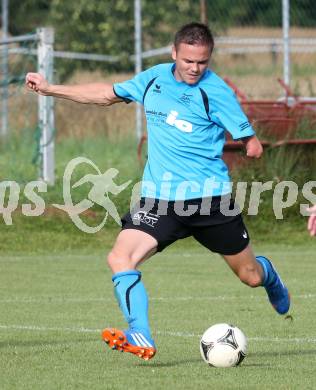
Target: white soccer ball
{"type": "Point", "coordinates": [223, 345]}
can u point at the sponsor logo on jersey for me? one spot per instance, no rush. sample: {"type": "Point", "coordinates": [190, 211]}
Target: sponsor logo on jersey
{"type": "Point", "coordinates": [180, 124]}
{"type": "Point", "coordinates": [185, 98]}
{"type": "Point", "coordinates": [157, 88]}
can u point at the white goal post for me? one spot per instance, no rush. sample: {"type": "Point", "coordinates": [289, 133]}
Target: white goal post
{"type": "Point", "coordinates": [46, 118]}
{"type": "Point", "coordinates": [44, 37]}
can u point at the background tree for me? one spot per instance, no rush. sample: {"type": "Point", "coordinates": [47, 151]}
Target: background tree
{"type": "Point", "coordinates": [107, 26]}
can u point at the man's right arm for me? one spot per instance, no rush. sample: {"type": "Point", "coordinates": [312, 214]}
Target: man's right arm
{"type": "Point", "coordinates": [96, 93]}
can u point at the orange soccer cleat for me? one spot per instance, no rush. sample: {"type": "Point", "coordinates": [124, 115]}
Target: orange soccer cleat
{"type": "Point", "coordinates": [129, 341]}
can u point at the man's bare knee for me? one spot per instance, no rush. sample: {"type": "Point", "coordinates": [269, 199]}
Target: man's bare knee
{"type": "Point", "coordinates": [117, 260]}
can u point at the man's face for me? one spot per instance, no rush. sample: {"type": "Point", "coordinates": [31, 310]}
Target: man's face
{"type": "Point", "coordinates": [191, 62]}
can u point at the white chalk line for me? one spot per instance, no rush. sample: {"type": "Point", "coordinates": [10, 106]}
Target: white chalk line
{"type": "Point", "coordinates": [159, 333]}
{"type": "Point", "coordinates": [48, 329]}
{"type": "Point", "coordinates": [25, 300]}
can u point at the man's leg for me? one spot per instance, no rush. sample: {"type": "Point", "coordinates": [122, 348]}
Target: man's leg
{"type": "Point", "coordinates": [259, 271]}
{"type": "Point", "coordinates": [131, 248]}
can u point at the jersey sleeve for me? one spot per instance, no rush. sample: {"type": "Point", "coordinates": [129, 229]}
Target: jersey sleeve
{"type": "Point", "coordinates": [133, 90]}
{"type": "Point", "coordinates": [227, 113]}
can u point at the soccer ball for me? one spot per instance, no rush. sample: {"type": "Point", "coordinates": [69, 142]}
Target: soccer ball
{"type": "Point", "coordinates": [223, 345]}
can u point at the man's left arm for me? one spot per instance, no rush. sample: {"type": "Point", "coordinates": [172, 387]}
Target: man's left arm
{"type": "Point", "coordinates": [228, 113]}
{"type": "Point", "coordinates": [253, 146]}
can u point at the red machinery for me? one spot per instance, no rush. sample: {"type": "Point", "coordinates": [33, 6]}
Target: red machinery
{"type": "Point", "coordinates": [276, 121]}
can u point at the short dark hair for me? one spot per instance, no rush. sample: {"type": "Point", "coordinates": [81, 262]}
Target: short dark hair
{"type": "Point", "coordinates": [194, 34]}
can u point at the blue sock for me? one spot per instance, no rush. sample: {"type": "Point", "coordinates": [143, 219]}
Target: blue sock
{"type": "Point", "coordinates": [269, 275]}
{"type": "Point", "coordinates": [133, 300]}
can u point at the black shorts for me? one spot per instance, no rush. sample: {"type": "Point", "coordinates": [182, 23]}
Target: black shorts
{"type": "Point", "coordinates": [205, 219]}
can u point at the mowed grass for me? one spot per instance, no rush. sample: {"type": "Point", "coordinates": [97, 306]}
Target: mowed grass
{"type": "Point", "coordinates": [53, 308]}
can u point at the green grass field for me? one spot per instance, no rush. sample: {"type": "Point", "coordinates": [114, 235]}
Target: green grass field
{"type": "Point", "coordinates": [54, 305]}
{"type": "Point", "coordinates": [56, 292]}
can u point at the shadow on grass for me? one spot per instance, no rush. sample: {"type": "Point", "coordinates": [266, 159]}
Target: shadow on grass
{"type": "Point", "coordinates": [246, 364]}
{"type": "Point", "coordinates": [174, 363]}
{"type": "Point", "coordinates": [256, 365]}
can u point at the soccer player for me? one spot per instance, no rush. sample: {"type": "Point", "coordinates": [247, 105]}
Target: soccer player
{"type": "Point", "coordinates": [311, 226]}
{"type": "Point", "coordinates": [185, 189]}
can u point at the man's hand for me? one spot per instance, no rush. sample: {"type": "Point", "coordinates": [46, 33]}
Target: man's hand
{"type": "Point", "coordinates": [311, 226]}
{"type": "Point", "coordinates": [253, 147]}
{"type": "Point", "coordinates": [36, 82]}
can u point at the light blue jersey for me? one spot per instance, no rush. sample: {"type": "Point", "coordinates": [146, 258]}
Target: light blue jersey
{"type": "Point", "coordinates": [186, 132]}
